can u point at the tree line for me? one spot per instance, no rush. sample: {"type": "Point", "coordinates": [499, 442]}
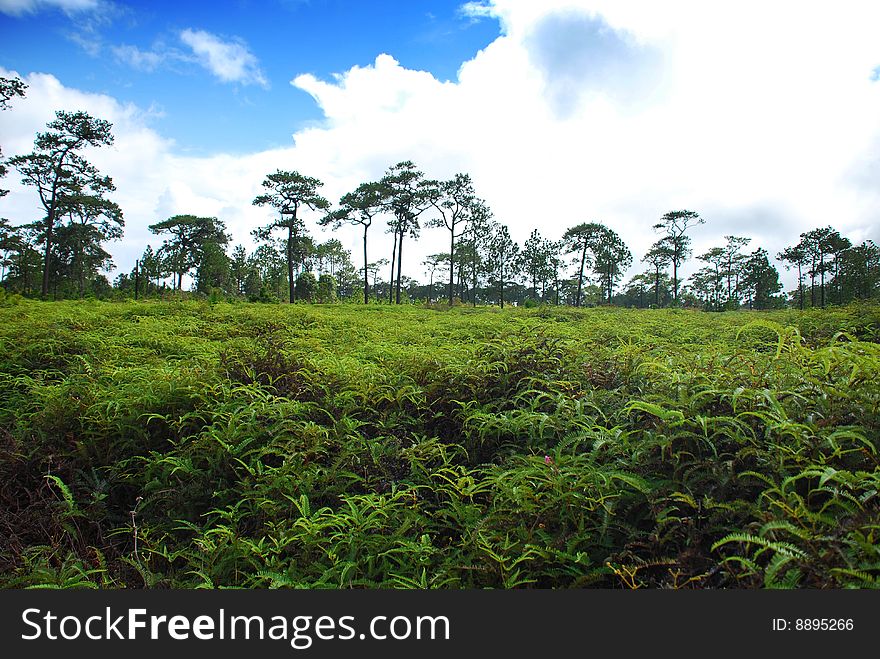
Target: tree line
{"type": "Point", "coordinates": [63, 254]}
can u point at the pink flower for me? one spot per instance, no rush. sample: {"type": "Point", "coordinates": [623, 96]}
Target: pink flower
{"type": "Point", "coordinates": [548, 460]}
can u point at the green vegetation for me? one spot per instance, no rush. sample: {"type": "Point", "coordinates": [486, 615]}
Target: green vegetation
{"type": "Point", "coordinates": [185, 444]}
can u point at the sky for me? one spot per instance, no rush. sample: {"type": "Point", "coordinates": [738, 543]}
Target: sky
{"type": "Point", "coordinates": [762, 117]}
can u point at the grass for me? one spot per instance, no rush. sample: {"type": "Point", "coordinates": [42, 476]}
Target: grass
{"type": "Point", "coordinates": [187, 445]}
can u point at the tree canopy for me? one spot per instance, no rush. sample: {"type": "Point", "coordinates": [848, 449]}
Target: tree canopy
{"type": "Point", "coordinates": [188, 238]}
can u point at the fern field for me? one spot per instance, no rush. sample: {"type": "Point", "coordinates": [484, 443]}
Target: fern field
{"type": "Point", "coordinates": [188, 445]}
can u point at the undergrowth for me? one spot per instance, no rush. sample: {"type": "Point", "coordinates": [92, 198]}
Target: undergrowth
{"type": "Point", "coordinates": [190, 445]}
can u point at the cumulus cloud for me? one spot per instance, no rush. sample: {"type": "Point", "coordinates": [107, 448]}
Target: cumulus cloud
{"type": "Point", "coordinates": [591, 111]}
{"type": "Point", "coordinates": [154, 181]}
{"type": "Point", "coordinates": [763, 117]}
{"type": "Point", "coordinates": [136, 161]}
{"type": "Point", "coordinates": [230, 61]}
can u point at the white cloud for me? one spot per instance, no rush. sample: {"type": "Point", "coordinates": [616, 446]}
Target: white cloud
{"type": "Point", "coordinates": [476, 10]}
{"type": "Point", "coordinates": [230, 61]}
{"type": "Point", "coordinates": [143, 60]}
{"type": "Point", "coordinates": [21, 7]}
{"type": "Point", "coordinates": [762, 117]}
{"type": "Point", "coordinates": [153, 180]}
{"type": "Point", "coordinates": [618, 112]}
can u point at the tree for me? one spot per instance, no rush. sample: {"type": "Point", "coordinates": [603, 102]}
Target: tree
{"type": "Point", "coordinates": [359, 207]}
{"type": "Point", "coordinates": [608, 255]}
{"type": "Point", "coordinates": [708, 281]}
{"type": "Point", "coordinates": [674, 226]}
{"type": "Point", "coordinates": [153, 267]}
{"type": "Point", "coordinates": [474, 241]}
{"type": "Point", "coordinates": [791, 257]}
{"type": "Point", "coordinates": [733, 262]}
{"type": "Point", "coordinates": [462, 259]}
{"type": "Point", "coordinates": [548, 274]}
{"type": "Point", "coordinates": [330, 256]}
{"type": "Point", "coordinates": [704, 286]}
{"type": "Point", "coordinates": [239, 268]}
{"type": "Point", "coordinates": [306, 287]}
{"type": "Point", "coordinates": [373, 270]}
{"type": "Point", "coordinates": [7, 233]}
{"type": "Point", "coordinates": [213, 269]}
{"type": "Point", "coordinates": [760, 280]}
{"type": "Point", "coordinates": [58, 172]}
{"type": "Point", "coordinates": [405, 195]}
{"type": "Point", "coordinates": [611, 258]}
{"type": "Point", "coordinates": [644, 287]}
{"type": "Point", "coordinates": [188, 236]}
{"type": "Point", "coordinates": [326, 289]}
{"type": "Point", "coordinates": [858, 272]}
{"type": "Point", "coordinates": [288, 193]}
{"type": "Point", "coordinates": [577, 240]}
{"type": "Point", "coordinates": [555, 264]}
{"type": "Point", "coordinates": [502, 258]}
{"type": "Point", "coordinates": [347, 277]}
{"type": "Point", "coordinates": [93, 220]}
{"type": "Point", "coordinates": [659, 257]}
{"type": "Point", "coordinates": [836, 245]}
{"type": "Point", "coordinates": [810, 249]}
{"type": "Point", "coordinates": [820, 246]}
{"type": "Point", "coordinates": [304, 254]}
{"type": "Point", "coordinates": [22, 259]}
{"type": "Point", "coordinates": [535, 261]}
{"type": "Point", "coordinates": [454, 200]}
{"type": "Point", "coordinates": [270, 265]}
{"type": "Point", "coordinates": [9, 89]}
{"type": "Point", "coordinates": [432, 264]}
{"type": "Point", "coordinates": [637, 288]}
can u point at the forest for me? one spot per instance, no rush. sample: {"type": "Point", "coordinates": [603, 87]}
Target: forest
{"type": "Point", "coordinates": [64, 254]}
{"type": "Point", "coordinates": [525, 419]}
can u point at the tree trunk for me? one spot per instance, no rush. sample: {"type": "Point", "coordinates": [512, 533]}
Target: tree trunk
{"type": "Point", "coordinates": [291, 293]}
{"type": "Point", "coordinates": [813, 283]}
{"type": "Point", "coordinates": [501, 286]}
{"type": "Point", "coordinates": [675, 279]}
{"type": "Point", "coordinates": [80, 269]}
{"type": "Point", "coordinates": [610, 282]}
{"type": "Point", "coordinates": [577, 302]}
{"type": "Point", "coordinates": [50, 222]}
{"type": "Point", "coordinates": [474, 277]}
{"type": "Point", "coordinates": [366, 274]}
{"type": "Point", "coordinates": [800, 286]}
{"type": "Point", "coordinates": [399, 266]}
{"type": "Point", "coordinates": [462, 289]}
{"type": "Point", "coordinates": [657, 287]}
{"type": "Point", "coordinates": [391, 278]}
{"type": "Point", "coordinates": [451, 261]}
{"type": "Point", "coordinates": [729, 272]}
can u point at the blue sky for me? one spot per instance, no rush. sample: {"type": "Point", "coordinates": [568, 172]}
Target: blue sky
{"type": "Point", "coordinates": [764, 117]}
{"type": "Point", "coordinates": [133, 51]}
